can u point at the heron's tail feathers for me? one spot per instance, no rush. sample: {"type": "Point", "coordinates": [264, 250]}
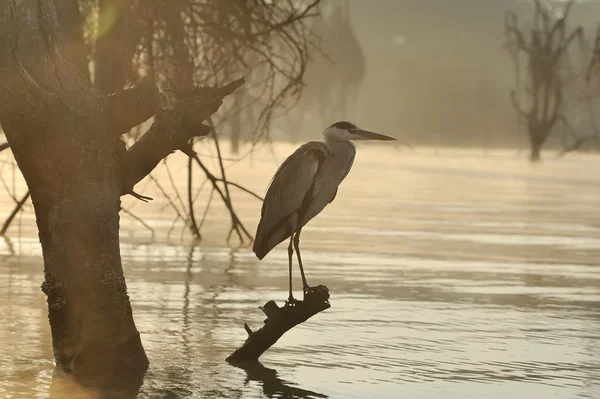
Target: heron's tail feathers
{"type": "Point", "coordinates": [265, 241]}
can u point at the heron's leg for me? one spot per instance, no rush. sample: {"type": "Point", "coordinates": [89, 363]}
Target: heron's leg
{"type": "Point", "coordinates": [291, 299]}
{"type": "Point", "coordinates": [296, 245]}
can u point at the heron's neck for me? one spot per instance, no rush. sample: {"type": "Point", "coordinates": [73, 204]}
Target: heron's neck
{"type": "Point", "coordinates": [338, 146]}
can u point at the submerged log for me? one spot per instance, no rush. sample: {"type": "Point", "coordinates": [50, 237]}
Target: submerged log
{"type": "Point", "coordinates": [280, 320]}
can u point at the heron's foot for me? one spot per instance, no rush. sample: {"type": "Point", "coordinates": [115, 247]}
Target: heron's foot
{"type": "Point", "coordinates": [291, 301]}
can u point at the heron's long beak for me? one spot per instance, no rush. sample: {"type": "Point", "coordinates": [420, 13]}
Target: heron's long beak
{"type": "Point", "coordinates": [367, 135]}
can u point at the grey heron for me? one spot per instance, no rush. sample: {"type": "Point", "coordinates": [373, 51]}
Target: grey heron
{"type": "Point", "coordinates": [302, 187]}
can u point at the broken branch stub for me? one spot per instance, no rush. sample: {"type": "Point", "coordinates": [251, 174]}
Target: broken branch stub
{"type": "Point", "coordinates": [172, 130]}
{"type": "Point", "coordinates": [278, 322]}
{"type": "Point", "coordinates": [135, 105]}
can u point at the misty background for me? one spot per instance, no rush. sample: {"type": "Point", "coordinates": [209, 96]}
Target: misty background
{"type": "Point", "coordinates": [455, 273]}
{"type": "Point", "coordinates": [435, 72]}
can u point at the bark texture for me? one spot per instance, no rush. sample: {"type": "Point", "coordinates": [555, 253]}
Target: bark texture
{"type": "Point", "coordinates": [67, 143]}
{"type": "Point", "coordinates": [71, 22]}
{"type": "Point", "coordinates": [118, 36]}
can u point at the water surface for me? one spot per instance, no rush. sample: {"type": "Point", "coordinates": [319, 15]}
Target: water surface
{"type": "Point", "coordinates": [452, 275]}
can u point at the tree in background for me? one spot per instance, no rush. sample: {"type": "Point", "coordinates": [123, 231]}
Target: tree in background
{"type": "Point", "coordinates": [539, 52]}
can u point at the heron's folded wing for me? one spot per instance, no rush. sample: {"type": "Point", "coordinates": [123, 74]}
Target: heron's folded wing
{"type": "Point", "coordinates": [293, 180]}
{"type": "Point", "coordinates": [289, 187]}
{"type": "Point", "coordinates": [322, 192]}
{"type": "Point", "coordinates": [327, 181]}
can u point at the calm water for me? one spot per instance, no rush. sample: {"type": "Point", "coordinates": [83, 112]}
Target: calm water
{"type": "Point", "coordinates": [451, 275]}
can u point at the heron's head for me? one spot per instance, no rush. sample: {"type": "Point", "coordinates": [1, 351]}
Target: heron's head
{"type": "Point", "coordinates": [344, 131]}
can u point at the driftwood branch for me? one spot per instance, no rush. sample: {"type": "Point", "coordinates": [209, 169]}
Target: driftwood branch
{"type": "Point", "coordinates": [130, 107]}
{"type": "Point", "coordinates": [173, 129]}
{"type": "Point", "coordinates": [278, 322]}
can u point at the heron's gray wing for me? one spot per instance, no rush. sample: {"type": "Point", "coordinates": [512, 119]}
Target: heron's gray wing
{"type": "Point", "coordinates": [322, 193]}
{"type": "Point", "coordinates": [333, 197]}
{"type": "Point", "coordinates": [285, 195]}
{"type": "Point", "coordinates": [293, 180]}
{"type": "Point", "coordinates": [326, 181]}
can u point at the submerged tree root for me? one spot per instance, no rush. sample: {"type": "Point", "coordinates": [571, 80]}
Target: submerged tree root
{"type": "Point", "coordinates": [278, 322]}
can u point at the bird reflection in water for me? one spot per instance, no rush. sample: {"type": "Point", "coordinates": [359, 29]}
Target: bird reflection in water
{"type": "Point", "coordinates": [273, 386]}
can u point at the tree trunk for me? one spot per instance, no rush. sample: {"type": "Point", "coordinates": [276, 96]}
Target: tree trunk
{"type": "Point", "coordinates": [67, 151]}
{"type": "Point", "coordinates": [71, 23]}
{"type": "Point", "coordinates": [536, 148]}
{"type": "Point", "coordinates": [115, 47]}
{"type": "Point", "coordinates": [67, 143]}
{"type": "Point", "coordinates": [537, 137]}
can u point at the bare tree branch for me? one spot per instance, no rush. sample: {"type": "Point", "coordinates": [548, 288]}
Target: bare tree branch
{"type": "Point", "coordinates": [236, 224]}
{"type": "Point", "coordinates": [516, 105]}
{"type": "Point", "coordinates": [173, 129]}
{"type": "Point", "coordinates": [192, 218]}
{"type": "Point", "coordinates": [140, 220]}
{"type": "Point", "coordinates": [14, 213]}
{"type": "Point", "coordinates": [130, 107]}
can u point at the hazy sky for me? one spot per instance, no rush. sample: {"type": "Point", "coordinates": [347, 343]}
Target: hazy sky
{"type": "Point", "coordinates": [436, 69]}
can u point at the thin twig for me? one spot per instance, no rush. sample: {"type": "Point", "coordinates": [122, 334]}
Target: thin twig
{"type": "Point", "coordinates": [164, 193]}
{"type": "Point", "coordinates": [244, 189]}
{"type": "Point", "coordinates": [173, 186]}
{"type": "Point", "coordinates": [210, 197]}
{"type": "Point", "coordinates": [192, 217]}
{"type": "Point", "coordinates": [227, 198]}
{"type": "Point", "coordinates": [234, 219]}
{"type": "Point", "coordinates": [14, 213]}
{"type": "Point", "coordinates": [140, 220]}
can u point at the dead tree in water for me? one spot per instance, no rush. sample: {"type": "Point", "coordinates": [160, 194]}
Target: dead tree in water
{"type": "Point", "coordinates": [544, 45]}
{"type": "Point", "coordinates": [67, 141]}
{"type": "Point", "coordinates": [593, 83]}
{"type": "Point", "coordinates": [191, 42]}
